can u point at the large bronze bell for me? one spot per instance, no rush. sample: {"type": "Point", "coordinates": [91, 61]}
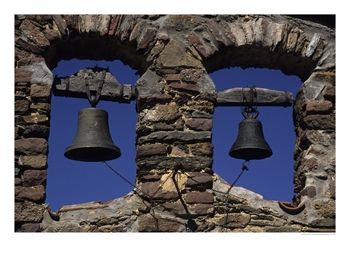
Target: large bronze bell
{"type": "Point", "coordinates": [250, 143]}
{"type": "Point", "coordinates": [92, 141]}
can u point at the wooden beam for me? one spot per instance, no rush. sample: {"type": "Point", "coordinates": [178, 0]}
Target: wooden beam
{"type": "Point", "coordinates": [75, 86]}
{"type": "Point", "coordinates": [240, 96]}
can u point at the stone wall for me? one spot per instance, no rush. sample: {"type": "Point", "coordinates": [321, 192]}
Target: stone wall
{"type": "Point", "coordinates": [175, 102]}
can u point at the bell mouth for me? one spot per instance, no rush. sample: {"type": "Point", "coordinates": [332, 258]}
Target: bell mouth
{"type": "Point", "coordinates": [251, 153]}
{"type": "Point", "coordinates": [92, 153]}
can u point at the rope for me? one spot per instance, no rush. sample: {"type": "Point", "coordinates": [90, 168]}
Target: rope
{"type": "Point", "coordinates": [244, 168]}
{"type": "Point", "coordinates": [135, 188]}
{"type": "Point", "coordinates": [190, 226]}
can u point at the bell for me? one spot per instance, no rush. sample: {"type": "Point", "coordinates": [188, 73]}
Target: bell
{"type": "Point", "coordinates": [92, 141]}
{"type": "Point", "coordinates": [250, 143]}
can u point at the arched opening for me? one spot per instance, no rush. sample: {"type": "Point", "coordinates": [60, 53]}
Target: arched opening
{"type": "Point", "coordinates": [71, 182]}
{"type": "Point", "coordinates": [271, 177]}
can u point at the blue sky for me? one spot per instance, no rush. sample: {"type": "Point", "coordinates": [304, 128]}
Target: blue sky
{"type": "Point", "coordinates": [71, 182]}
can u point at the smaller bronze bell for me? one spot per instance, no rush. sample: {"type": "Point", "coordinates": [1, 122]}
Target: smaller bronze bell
{"type": "Point", "coordinates": [92, 141]}
{"type": "Point", "coordinates": [250, 143]}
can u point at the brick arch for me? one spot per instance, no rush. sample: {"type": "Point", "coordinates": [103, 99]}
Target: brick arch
{"type": "Point", "coordinates": [175, 101]}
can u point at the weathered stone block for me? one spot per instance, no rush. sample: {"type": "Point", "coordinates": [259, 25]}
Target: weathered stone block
{"type": "Point", "coordinates": [199, 197]}
{"type": "Point", "coordinates": [28, 212]}
{"type": "Point", "coordinates": [41, 107]}
{"type": "Point", "coordinates": [42, 75]}
{"type": "Point", "coordinates": [172, 77]}
{"type": "Point", "coordinates": [60, 23]}
{"type": "Point", "coordinates": [180, 136]}
{"type": "Point", "coordinates": [198, 114]}
{"type": "Point", "coordinates": [283, 229]}
{"type": "Point", "coordinates": [94, 23]}
{"type": "Point", "coordinates": [126, 27]}
{"type": "Point", "coordinates": [29, 227]}
{"type": "Point", "coordinates": [34, 177]}
{"type": "Point", "coordinates": [175, 55]}
{"type": "Point", "coordinates": [191, 75]}
{"type": "Point", "coordinates": [309, 164]}
{"type": "Point", "coordinates": [204, 48]}
{"type": "Point", "coordinates": [166, 113]}
{"type": "Point", "coordinates": [318, 107]}
{"type": "Point", "coordinates": [35, 119]}
{"type": "Point", "coordinates": [325, 208]}
{"type": "Point", "coordinates": [236, 220]}
{"type": "Point", "coordinates": [309, 191]}
{"type": "Point", "coordinates": [151, 150]}
{"type": "Point", "coordinates": [107, 221]}
{"type": "Point", "coordinates": [200, 104]}
{"type": "Point", "coordinates": [329, 93]}
{"type": "Point", "coordinates": [323, 222]}
{"type": "Point", "coordinates": [68, 227]}
{"type": "Point", "coordinates": [186, 164]}
{"type": "Point", "coordinates": [146, 38]}
{"type": "Point", "coordinates": [185, 87]}
{"type": "Point", "coordinates": [34, 33]}
{"type": "Point", "coordinates": [34, 193]}
{"type": "Point", "coordinates": [199, 124]}
{"type": "Point", "coordinates": [202, 149]}
{"type": "Point", "coordinates": [136, 31]}
{"type": "Point", "coordinates": [40, 91]}
{"type": "Point", "coordinates": [18, 181]}
{"type": "Point", "coordinates": [201, 180]}
{"type": "Point", "coordinates": [201, 209]}
{"type": "Point", "coordinates": [326, 77]}
{"type": "Point", "coordinates": [34, 162]}
{"type": "Point", "coordinates": [218, 32]}
{"type": "Point", "coordinates": [179, 151]}
{"type": "Point", "coordinates": [310, 137]}
{"type": "Point", "coordinates": [72, 21]}
{"type": "Point", "coordinates": [22, 74]}
{"type": "Point", "coordinates": [320, 122]}
{"type": "Point", "coordinates": [177, 208]}
{"type": "Point", "coordinates": [149, 89]}
{"type": "Point", "coordinates": [331, 188]}
{"type": "Point", "coordinates": [31, 146]}
{"type": "Point", "coordinates": [21, 106]}
{"type": "Point", "coordinates": [36, 131]}
{"type": "Point", "coordinates": [153, 190]}
{"type": "Point", "coordinates": [154, 223]}
{"type": "Point", "coordinates": [271, 221]}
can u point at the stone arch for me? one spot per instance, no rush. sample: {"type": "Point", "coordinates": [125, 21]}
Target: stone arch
{"type": "Point", "coordinates": [296, 47]}
{"type": "Point", "coordinates": [175, 100]}
{"type": "Point", "coordinates": [42, 40]}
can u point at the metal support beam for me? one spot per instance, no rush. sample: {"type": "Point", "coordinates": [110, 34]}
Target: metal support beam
{"type": "Point", "coordinates": [264, 97]}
